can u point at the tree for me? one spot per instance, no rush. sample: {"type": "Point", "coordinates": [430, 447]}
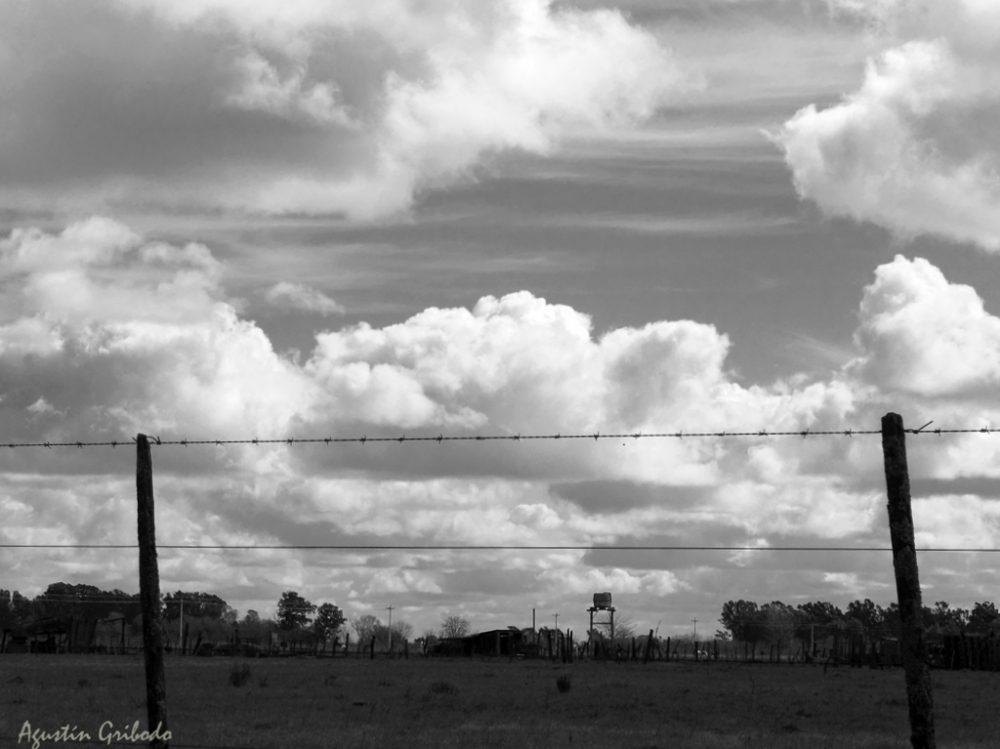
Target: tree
{"type": "Point", "coordinates": [329, 619]}
{"type": "Point", "coordinates": [984, 618]}
{"type": "Point", "coordinates": [744, 620]}
{"type": "Point", "coordinates": [401, 630]}
{"type": "Point", "coordinates": [779, 621]}
{"type": "Point", "coordinates": [869, 614]}
{"type": "Point", "coordinates": [455, 626]}
{"type": "Point", "coordinates": [196, 604]}
{"type": "Point", "coordinates": [293, 611]}
{"type": "Point", "coordinates": [365, 626]}
{"type": "Point", "coordinates": [229, 616]}
{"type": "Point", "coordinates": [946, 620]}
{"type": "Point", "coordinates": [820, 612]}
{"type": "Point", "coordinates": [252, 617]}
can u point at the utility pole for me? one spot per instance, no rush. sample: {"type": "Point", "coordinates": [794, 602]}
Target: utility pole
{"type": "Point", "coordinates": [180, 635]}
{"type": "Point", "coordinates": [695, 629]}
{"type": "Point", "coordinates": [557, 621]}
{"type": "Point", "coordinates": [390, 630]}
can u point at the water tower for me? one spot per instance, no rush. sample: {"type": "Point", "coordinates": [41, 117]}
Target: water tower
{"type": "Point", "coordinates": [602, 602]}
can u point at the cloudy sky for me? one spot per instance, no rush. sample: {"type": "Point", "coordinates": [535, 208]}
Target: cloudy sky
{"type": "Point", "coordinates": [306, 218]}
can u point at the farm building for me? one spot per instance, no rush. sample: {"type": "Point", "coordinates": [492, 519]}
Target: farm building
{"type": "Point", "coordinates": [508, 642]}
{"type": "Point", "coordinates": [56, 634]}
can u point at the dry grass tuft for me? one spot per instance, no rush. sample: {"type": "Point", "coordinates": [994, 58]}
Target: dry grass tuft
{"type": "Point", "coordinates": [443, 687]}
{"type": "Point", "coordinates": [240, 674]}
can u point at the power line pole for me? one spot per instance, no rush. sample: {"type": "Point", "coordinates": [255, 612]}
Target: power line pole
{"type": "Point", "coordinates": [390, 629]}
{"type": "Point", "coordinates": [695, 629]}
{"type": "Point", "coordinates": [557, 620]}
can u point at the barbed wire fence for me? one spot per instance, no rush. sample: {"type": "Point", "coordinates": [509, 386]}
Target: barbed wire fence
{"type": "Point", "coordinates": [900, 516]}
{"type": "Point", "coordinates": [441, 438]}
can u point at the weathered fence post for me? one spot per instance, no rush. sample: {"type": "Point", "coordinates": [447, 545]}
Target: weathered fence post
{"type": "Point", "coordinates": [904, 560]}
{"type": "Point", "coordinates": [149, 597]}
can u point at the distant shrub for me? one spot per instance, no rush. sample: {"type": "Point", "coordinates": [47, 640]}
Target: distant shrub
{"type": "Point", "coordinates": [443, 687]}
{"type": "Point", "coordinates": [563, 683]}
{"type": "Point", "coordinates": [239, 674]}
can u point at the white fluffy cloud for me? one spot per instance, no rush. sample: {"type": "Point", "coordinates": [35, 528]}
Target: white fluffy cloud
{"type": "Point", "coordinates": [925, 336]}
{"type": "Point", "coordinates": [145, 325]}
{"type": "Point", "coordinates": [914, 148]}
{"type": "Point", "coordinates": [304, 107]}
{"type": "Point", "coordinates": [143, 338]}
{"type": "Point", "coordinates": [298, 296]}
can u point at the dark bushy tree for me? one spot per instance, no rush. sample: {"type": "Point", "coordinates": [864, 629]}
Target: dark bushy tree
{"type": "Point", "coordinates": [293, 611]}
{"type": "Point", "coordinates": [196, 604]}
{"type": "Point", "coordinates": [329, 619]}
{"type": "Point", "coordinates": [984, 618]}
{"type": "Point", "coordinates": [89, 601]}
{"type": "Point", "coordinates": [744, 621]}
{"type": "Point", "coordinates": [820, 612]}
{"type": "Point", "coordinates": [870, 615]}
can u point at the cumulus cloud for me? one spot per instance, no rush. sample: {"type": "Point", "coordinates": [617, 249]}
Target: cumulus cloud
{"type": "Point", "coordinates": [925, 336]}
{"type": "Point", "coordinates": [913, 148]}
{"type": "Point", "coordinates": [304, 107]}
{"type": "Point", "coordinates": [301, 297]}
{"type": "Point", "coordinates": [141, 336]}
{"type": "Point", "coordinates": [143, 323]}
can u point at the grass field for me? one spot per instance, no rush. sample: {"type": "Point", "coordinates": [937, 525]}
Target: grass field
{"type": "Point", "coordinates": [420, 703]}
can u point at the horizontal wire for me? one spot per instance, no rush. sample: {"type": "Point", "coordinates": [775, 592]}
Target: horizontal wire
{"type": "Point", "coordinates": [496, 437]}
{"type": "Point", "coordinates": [409, 547]}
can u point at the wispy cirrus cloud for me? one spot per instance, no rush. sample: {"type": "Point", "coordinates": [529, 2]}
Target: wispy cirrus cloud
{"type": "Point", "coordinates": [303, 107]}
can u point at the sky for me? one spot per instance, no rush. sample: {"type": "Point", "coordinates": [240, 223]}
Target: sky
{"type": "Point", "coordinates": [310, 219]}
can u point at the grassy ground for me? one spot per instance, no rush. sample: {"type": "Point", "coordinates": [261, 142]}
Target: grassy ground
{"type": "Point", "coordinates": [495, 703]}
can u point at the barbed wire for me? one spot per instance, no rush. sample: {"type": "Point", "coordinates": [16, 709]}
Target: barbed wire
{"type": "Point", "coordinates": [481, 547]}
{"type": "Point", "coordinates": [441, 438]}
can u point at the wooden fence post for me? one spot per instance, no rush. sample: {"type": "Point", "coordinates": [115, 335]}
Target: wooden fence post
{"type": "Point", "coordinates": [149, 597]}
{"type": "Point", "coordinates": [904, 560]}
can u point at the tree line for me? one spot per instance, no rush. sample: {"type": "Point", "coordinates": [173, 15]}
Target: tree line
{"type": "Point", "coordinates": [206, 615]}
{"type": "Point", "coordinates": [778, 622]}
